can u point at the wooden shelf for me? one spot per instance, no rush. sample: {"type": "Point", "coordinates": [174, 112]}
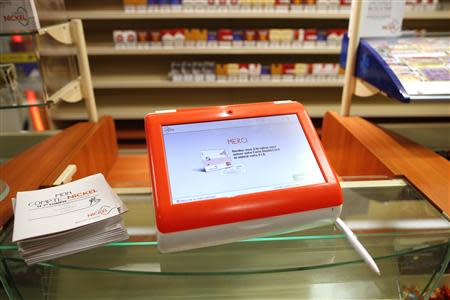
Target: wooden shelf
{"type": "Point", "coordinates": [125, 84]}
{"type": "Point", "coordinates": [138, 108]}
{"type": "Point", "coordinates": [117, 14]}
{"type": "Point", "coordinates": [149, 81]}
{"type": "Point", "coordinates": [110, 49]}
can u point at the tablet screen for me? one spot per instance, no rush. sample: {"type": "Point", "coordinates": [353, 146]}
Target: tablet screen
{"type": "Point", "coordinates": [217, 159]}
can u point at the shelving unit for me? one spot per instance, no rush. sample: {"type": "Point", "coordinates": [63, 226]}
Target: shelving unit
{"type": "Point", "coordinates": [112, 103]}
{"type": "Point", "coordinates": [110, 49]}
{"type": "Point", "coordinates": [58, 83]}
{"type": "Point", "coordinates": [119, 14]}
{"type": "Point", "coordinates": [131, 82]}
{"type": "Point", "coordinates": [142, 81]}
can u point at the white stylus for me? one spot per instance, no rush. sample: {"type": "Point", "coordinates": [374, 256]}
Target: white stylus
{"type": "Point", "coordinates": [353, 240]}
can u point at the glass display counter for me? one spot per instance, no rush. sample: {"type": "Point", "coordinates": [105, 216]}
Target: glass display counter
{"type": "Point", "coordinates": [407, 236]}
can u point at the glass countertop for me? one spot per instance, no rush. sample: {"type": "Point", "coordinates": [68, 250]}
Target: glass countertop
{"type": "Point", "coordinates": [407, 236]}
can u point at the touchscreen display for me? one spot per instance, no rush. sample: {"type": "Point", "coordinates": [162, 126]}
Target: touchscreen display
{"type": "Point", "coordinates": [227, 158]}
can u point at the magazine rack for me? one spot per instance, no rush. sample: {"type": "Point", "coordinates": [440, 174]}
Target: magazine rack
{"type": "Point", "coordinates": [367, 72]}
{"type": "Point", "coordinates": [69, 33]}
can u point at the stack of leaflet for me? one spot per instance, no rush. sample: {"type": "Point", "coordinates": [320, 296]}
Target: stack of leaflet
{"type": "Point", "coordinates": [66, 219]}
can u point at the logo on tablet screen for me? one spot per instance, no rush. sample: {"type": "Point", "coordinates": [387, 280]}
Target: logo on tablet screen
{"type": "Point", "coordinates": [234, 141]}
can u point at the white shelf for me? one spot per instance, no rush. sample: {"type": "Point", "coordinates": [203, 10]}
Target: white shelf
{"type": "Point", "coordinates": [148, 81]}
{"type": "Point", "coordinates": [112, 50]}
{"type": "Point", "coordinates": [116, 14]}
{"type": "Point", "coordinates": [380, 107]}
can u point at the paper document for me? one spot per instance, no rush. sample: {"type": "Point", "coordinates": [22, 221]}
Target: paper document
{"type": "Point", "coordinates": [64, 207]}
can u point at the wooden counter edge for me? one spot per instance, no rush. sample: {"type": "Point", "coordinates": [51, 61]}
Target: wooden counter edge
{"type": "Point", "coordinates": [357, 147]}
{"type": "Point", "coordinates": [91, 146]}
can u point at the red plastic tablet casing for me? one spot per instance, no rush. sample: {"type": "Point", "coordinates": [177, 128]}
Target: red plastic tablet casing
{"type": "Point", "coordinates": [218, 211]}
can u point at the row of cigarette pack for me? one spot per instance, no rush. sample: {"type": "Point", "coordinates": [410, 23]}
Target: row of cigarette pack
{"type": "Point", "coordinates": [210, 71]}
{"type": "Point", "coordinates": [422, 5]}
{"type": "Point", "coordinates": [226, 38]}
{"type": "Point", "coordinates": [141, 6]}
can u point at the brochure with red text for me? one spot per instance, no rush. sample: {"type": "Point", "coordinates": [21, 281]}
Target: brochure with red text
{"type": "Point", "coordinates": [69, 218]}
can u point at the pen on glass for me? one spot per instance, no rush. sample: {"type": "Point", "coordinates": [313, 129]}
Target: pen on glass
{"type": "Point", "coordinates": [356, 244]}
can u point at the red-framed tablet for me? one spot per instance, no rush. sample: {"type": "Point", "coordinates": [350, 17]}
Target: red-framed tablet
{"type": "Point", "coordinates": [224, 173]}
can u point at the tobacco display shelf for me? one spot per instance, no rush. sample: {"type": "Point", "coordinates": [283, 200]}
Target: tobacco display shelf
{"type": "Point", "coordinates": [140, 90]}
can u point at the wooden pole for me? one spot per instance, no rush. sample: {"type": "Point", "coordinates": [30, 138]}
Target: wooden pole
{"type": "Point", "coordinates": [85, 71]}
{"type": "Point", "coordinates": [353, 42]}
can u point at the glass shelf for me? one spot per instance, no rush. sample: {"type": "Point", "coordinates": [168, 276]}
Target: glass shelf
{"type": "Point", "coordinates": [31, 73]}
{"type": "Point", "coordinates": [406, 235]}
{"type": "Point", "coordinates": [24, 105]}
{"type": "Point", "coordinates": [18, 33]}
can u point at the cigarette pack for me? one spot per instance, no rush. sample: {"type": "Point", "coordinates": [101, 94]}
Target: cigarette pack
{"type": "Point", "coordinates": [299, 36]}
{"type": "Point", "coordinates": [266, 72]}
{"type": "Point", "coordinates": [276, 71]}
{"type": "Point", "coordinates": [250, 38]}
{"type": "Point", "coordinates": [167, 37]}
{"type": "Point", "coordinates": [198, 71]}
{"type": "Point", "coordinates": [141, 6]}
{"type": "Point", "coordinates": [221, 72]}
{"type": "Point", "coordinates": [321, 38]}
{"type": "Point", "coordinates": [178, 37]}
{"type": "Point", "coordinates": [282, 5]}
{"type": "Point", "coordinates": [309, 5]}
{"type": "Point", "coordinates": [262, 38]}
{"type": "Point", "coordinates": [322, 5]}
{"type": "Point", "coordinates": [288, 72]}
{"type": "Point", "coordinates": [142, 38]}
{"type": "Point", "coordinates": [300, 71]}
{"type": "Point", "coordinates": [334, 36]}
{"type": "Point", "coordinates": [345, 5]}
{"type": "Point", "coordinates": [233, 72]}
{"type": "Point", "coordinates": [254, 72]}
{"type": "Point", "coordinates": [188, 38]}
{"type": "Point", "coordinates": [310, 38]}
{"type": "Point", "coordinates": [209, 70]}
{"type": "Point", "coordinates": [119, 38]}
{"type": "Point", "coordinates": [186, 70]}
{"type": "Point", "coordinates": [286, 37]}
{"type": "Point", "coordinates": [333, 5]}
{"type": "Point", "coordinates": [155, 38]}
{"type": "Point", "coordinates": [202, 37]}
{"type": "Point", "coordinates": [129, 6]}
{"type": "Point", "coordinates": [176, 73]}
{"type": "Point", "coordinates": [225, 37]}
{"type": "Point", "coordinates": [243, 72]}
{"type": "Point", "coordinates": [238, 38]}
{"type": "Point", "coordinates": [234, 5]}
{"type": "Point", "coordinates": [274, 37]}
{"type": "Point", "coordinates": [130, 38]}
